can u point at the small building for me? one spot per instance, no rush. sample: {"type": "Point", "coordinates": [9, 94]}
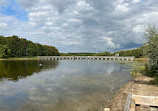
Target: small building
{"type": "Point", "coordinates": [117, 54]}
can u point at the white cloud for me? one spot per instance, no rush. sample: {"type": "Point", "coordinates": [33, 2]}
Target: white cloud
{"type": "Point", "coordinates": [138, 29]}
{"type": "Point", "coordinates": [38, 14]}
{"type": "Point", "coordinates": [3, 25]}
{"type": "Point", "coordinates": [49, 23]}
{"type": "Point", "coordinates": [74, 20]}
{"type": "Point", "coordinates": [71, 42]}
{"type": "Point", "coordinates": [83, 25]}
{"type": "Point", "coordinates": [135, 1]}
{"type": "Point", "coordinates": [109, 43]}
{"type": "Point", "coordinates": [122, 7]}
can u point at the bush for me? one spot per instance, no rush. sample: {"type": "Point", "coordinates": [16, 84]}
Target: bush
{"type": "Point", "coordinates": [151, 51]}
{"type": "Point", "coordinates": [155, 81]}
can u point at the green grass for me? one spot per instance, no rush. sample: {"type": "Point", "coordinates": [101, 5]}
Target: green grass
{"type": "Point", "coordinates": [138, 67]}
{"type": "Point", "coordinates": [138, 70]}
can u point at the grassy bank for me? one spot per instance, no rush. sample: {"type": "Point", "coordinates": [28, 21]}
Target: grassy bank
{"type": "Point", "coordinates": [142, 70]}
{"type": "Point", "coordinates": [141, 59]}
{"type": "Point", "coordinates": [138, 70]}
{"type": "Point", "coordinates": [21, 58]}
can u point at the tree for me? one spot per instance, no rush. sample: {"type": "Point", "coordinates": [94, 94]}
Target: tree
{"type": "Point", "coordinates": [151, 50]}
{"type": "Point", "coordinates": [19, 47]}
{"type": "Point", "coordinates": [4, 51]}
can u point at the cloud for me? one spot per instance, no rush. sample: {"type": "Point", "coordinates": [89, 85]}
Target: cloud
{"type": "Point", "coordinates": [136, 1]}
{"type": "Point", "coordinates": [61, 5]}
{"type": "Point", "coordinates": [28, 3]}
{"type": "Point", "coordinates": [109, 43]}
{"type": "Point", "coordinates": [2, 2]}
{"type": "Point", "coordinates": [83, 25]}
{"type": "Point", "coordinates": [3, 25]}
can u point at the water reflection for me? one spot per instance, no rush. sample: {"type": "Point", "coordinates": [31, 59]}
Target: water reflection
{"type": "Point", "coordinates": [75, 85]}
{"type": "Point", "coordinates": [14, 70]}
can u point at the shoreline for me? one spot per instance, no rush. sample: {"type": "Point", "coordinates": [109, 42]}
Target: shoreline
{"type": "Point", "coordinates": [139, 85]}
{"type": "Point", "coordinates": [36, 58]}
{"type": "Point", "coordinates": [20, 58]}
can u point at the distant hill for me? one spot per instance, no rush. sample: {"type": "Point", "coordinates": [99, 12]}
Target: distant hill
{"type": "Point", "coordinates": [19, 47]}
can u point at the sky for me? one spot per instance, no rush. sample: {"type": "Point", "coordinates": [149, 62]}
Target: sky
{"type": "Point", "coordinates": [79, 25]}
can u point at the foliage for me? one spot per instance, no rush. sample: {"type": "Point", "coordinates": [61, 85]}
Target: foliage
{"type": "Point", "coordinates": [104, 54]}
{"type": "Point", "coordinates": [137, 53]}
{"type": "Point", "coordinates": [77, 54]}
{"type": "Point", "coordinates": [19, 47]}
{"type": "Point", "coordinates": [88, 54]}
{"type": "Point", "coordinates": [155, 81]}
{"type": "Point", "coordinates": [2, 51]}
{"type": "Point", "coordinates": [151, 50]}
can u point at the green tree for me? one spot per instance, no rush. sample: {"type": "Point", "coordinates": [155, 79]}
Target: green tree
{"type": "Point", "coordinates": [2, 51]}
{"type": "Point", "coordinates": [151, 50]}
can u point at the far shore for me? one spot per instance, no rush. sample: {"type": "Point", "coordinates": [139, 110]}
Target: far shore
{"type": "Point", "coordinates": [21, 58]}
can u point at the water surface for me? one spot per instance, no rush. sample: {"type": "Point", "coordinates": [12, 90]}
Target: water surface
{"type": "Point", "coordinates": [64, 85]}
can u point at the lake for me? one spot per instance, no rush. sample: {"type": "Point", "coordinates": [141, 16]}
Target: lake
{"type": "Point", "coordinates": [60, 85]}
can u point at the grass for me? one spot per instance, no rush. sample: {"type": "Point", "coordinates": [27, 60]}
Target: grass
{"type": "Point", "coordinates": [141, 59]}
{"type": "Point", "coordinates": [138, 66]}
{"type": "Point", "coordinates": [138, 70]}
{"type": "Point", "coordinates": [21, 58]}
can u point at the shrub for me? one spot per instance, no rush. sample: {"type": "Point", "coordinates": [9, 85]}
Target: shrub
{"type": "Point", "coordinates": [155, 81]}
{"type": "Point", "coordinates": [151, 51]}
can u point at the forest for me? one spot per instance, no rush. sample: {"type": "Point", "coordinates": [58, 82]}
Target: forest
{"type": "Point", "coordinates": [19, 47]}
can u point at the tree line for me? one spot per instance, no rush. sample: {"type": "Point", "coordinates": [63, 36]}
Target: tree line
{"type": "Point", "coordinates": [19, 47]}
{"type": "Point", "coordinates": [137, 53]}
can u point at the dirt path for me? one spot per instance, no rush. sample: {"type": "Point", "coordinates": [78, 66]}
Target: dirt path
{"type": "Point", "coordinates": [139, 85]}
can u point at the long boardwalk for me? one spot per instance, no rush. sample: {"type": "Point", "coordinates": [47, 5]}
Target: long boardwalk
{"type": "Point", "coordinates": [118, 58]}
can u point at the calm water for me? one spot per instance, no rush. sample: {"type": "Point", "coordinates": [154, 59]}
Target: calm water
{"type": "Point", "coordinates": [65, 85]}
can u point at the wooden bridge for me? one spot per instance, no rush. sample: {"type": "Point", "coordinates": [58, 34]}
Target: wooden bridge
{"type": "Point", "coordinates": [118, 58]}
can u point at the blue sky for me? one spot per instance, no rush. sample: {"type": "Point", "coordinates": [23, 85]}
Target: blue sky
{"type": "Point", "coordinates": [79, 25]}
{"type": "Point", "coordinates": [14, 9]}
